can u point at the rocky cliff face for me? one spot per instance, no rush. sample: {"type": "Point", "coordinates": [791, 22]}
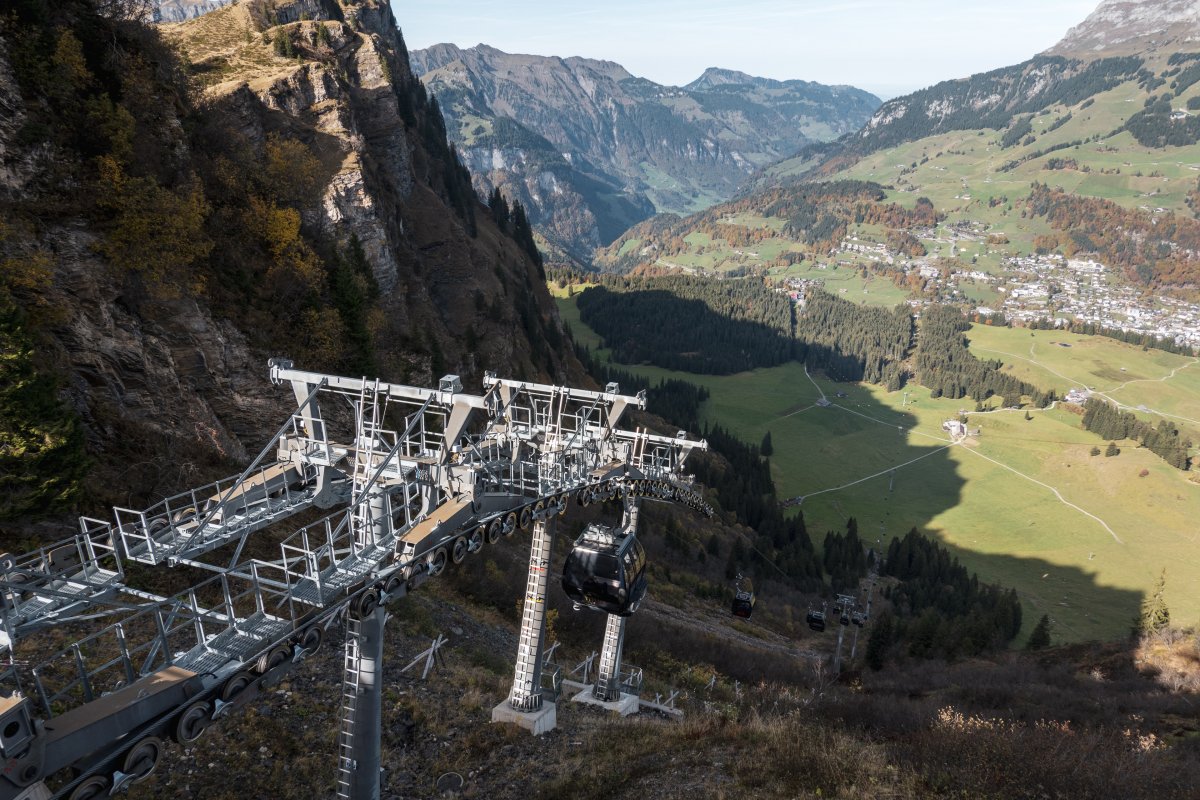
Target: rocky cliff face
{"type": "Point", "coordinates": [1128, 26]}
{"type": "Point", "coordinates": [361, 250]}
{"type": "Point", "coordinates": [180, 10]}
{"type": "Point", "coordinates": [593, 149]}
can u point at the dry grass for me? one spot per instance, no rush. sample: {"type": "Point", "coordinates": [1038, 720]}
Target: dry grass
{"type": "Point", "coordinates": [225, 46]}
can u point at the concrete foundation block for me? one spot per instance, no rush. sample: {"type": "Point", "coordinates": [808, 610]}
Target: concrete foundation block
{"type": "Point", "coordinates": [536, 722]}
{"type": "Point", "coordinates": [627, 704]}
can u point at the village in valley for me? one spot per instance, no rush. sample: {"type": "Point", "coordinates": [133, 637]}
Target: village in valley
{"type": "Point", "coordinates": [1022, 288]}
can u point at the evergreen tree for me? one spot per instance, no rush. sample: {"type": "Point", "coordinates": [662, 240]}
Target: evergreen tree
{"type": "Point", "coordinates": [1112, 450]}
{"type": "Point", "coordinates": [882, 635]}
{"type": "Point", "coordinates": [766, 448]}
{"type": "Point", "coordinates": [1040, 638]}
{"type": "Point", "coordinates": [1156, 617]}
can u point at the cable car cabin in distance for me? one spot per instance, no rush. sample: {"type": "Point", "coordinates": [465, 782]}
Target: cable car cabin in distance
{"type": "Point", "coordinates": [743, 598]}
{"type": "Point", "coordinates": [743, 604]}
{"type": "Point", "coordinates": [816, 620]}
{"type": "Point", "coordinates": [606, 570]}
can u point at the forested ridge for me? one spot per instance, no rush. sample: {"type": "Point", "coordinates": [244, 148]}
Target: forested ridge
{"type": "Point", "coordinates": [1151, 249]}
{"type": "Point", "coordinates": [948, 368]}
{"type": "Point", "coordinates": [1156, 126]}
{"type": "Point", "coordinates": [725, 326]}
{"type": "Point", "coordinates": [815, 215]}
{"type": "Point", "coordinates": [855, 343]}
{"type": "Point", "coordinates": [690, 324]}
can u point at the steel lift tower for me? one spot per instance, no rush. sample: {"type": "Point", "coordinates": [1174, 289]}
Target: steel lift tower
{"type": "Point", "coordinates": [412, 480]}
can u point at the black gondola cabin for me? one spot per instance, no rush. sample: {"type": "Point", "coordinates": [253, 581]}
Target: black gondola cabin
{"type": "Point", "coordinates": [606, 570]}
{"type": "Point", "coordinates": [743, 604]}
{"type": "Point", "coordinates": [743, 599]}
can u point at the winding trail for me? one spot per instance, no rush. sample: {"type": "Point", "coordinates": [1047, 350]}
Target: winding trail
{"type": "Point", "coordinates": [1193, 362]}
{"type": "Point", "coordinates": [947, 444]}
{"type": "Point", "coordinates": [814, 383]}
{"type": "Point", "coordinates": [1057, 493]}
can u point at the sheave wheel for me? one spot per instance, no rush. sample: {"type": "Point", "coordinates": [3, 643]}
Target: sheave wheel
{"type": "Point", "coordinates": [458, 551]}
{"type": "Point", "coordinates": [143, 758]}
{"type": "Point", "coordinates": [192, 722]}
{"type": "Point", "coordinates": [437, 562]}
{"type": "Point", "coordinates": [273, 658]}
{"type": "Point", "coordinates": [93, 787]}
{"type": "Point", "coordinates": [236, 685]}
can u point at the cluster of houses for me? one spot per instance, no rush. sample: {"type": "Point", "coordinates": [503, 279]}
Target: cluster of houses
{"type": "Point", "coordinates": [1053, 287]}
{"type": "Point", "coordinates": [1029, 288]}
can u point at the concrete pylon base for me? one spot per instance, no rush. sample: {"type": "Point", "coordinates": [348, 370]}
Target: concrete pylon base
{"type": "Point", "coordinates": [543, 720]}
{"type": "Point", "coordinates": [625, 706]}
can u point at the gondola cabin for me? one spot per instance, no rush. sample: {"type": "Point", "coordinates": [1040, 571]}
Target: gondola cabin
{"type": "Point", "coordinates": [606, 570]}
{"type": "Point", "coordinates": [816, 620]}
{"type": "Point", "coordinates": [743, 604]}
{"type": "Point", "coordinates": [743, 599]}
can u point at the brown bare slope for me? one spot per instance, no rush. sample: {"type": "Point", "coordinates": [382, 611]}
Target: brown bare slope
{"type": "Point", "coordinates": [286, 190]}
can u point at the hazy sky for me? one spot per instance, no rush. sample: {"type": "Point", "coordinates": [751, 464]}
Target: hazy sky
{"type": "Point", "coordinates": [886, 46]}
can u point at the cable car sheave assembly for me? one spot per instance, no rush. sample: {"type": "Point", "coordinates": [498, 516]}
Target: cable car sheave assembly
{"type": "Point", "coordinates": [415, 479]}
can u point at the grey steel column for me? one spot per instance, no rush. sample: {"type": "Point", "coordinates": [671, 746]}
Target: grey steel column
{"type": "Point", "coordinates": [359, 734]}
{"type": "Point", "coordinates": [526, 694]}
{"type": "Point", "coordinates": [837, 659]}
{"type": "Point", "coordinates": [608, 680]}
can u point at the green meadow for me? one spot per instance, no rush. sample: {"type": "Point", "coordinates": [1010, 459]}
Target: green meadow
{"type": "Point", "coordinates": [1023, 502]}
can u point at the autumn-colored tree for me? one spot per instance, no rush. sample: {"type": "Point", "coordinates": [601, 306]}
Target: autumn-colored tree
{"type": "Point", "coordinates": [152, 231]}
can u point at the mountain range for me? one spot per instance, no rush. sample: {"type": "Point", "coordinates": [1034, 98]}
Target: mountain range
{"type": "Point", "coordinates": [290, 188]}
{"type": "Point", "coordinates": [1107, 118]}
{"type": "Point", "coordinates": [591, 149]}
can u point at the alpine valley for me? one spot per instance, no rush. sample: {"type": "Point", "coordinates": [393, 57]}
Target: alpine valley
{"type": "Point", "coordinates": [590, 149]}
{"type": "Point", "coordinates": [943, 353]}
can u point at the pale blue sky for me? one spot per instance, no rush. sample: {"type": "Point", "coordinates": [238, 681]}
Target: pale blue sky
{"type": "Point", "coordinates": [888, 47]}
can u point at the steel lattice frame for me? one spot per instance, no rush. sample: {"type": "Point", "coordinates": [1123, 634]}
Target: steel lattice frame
{"type": "Point", "coordinates": [415, 479]}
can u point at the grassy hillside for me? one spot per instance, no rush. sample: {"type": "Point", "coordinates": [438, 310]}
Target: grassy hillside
{"type": "Point", "coordinates": [1082, 555]}
{"type": "Point", "coordinates": [989, 239]}
{"type": "Point", "coordinates": [1151, 383]}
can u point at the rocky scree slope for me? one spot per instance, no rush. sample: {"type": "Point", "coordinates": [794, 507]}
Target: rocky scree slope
{"type": "Point", "coordinates": [590, 149]}
{"type": "Point", "coordinates": [168, 226]}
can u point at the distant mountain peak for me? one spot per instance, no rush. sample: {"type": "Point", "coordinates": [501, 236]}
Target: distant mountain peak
{"type": "Point", "coordinates": [589, 149]}
{"type": "Point", "coordinates": [1119, 27]}
{"type": "Point", "coordinates": [716, 76]}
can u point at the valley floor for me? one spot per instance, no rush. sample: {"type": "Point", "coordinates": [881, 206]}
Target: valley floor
{"type": "Point", "coordinates": [1023, 502]}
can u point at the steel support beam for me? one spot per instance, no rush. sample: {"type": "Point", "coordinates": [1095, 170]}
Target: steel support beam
{"type": "Point", "coordinates": [526, 694]}
{"type": "Point", "coordinates": [362, 685]}
{"type": "Point", "coordinates": [608, 679]}
{"type": "Point", "coordinates": [524, 705]}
